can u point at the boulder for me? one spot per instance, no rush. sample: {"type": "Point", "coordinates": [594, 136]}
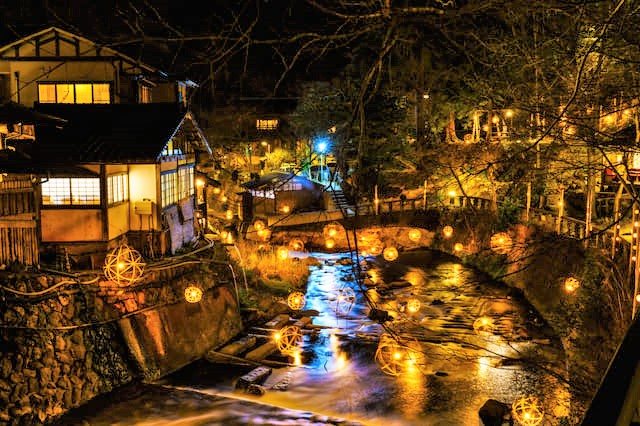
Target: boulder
{"type": "Point", "coordinates": [494, 413]}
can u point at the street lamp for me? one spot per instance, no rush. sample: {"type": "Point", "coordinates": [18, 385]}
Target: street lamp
{"type": "Point", "coordinates": [322, 146]}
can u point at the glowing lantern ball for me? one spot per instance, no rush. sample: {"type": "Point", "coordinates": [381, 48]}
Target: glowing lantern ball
{"type": "Point", "coordinates": [296, 300]}
{"type": "Point", "coordinates": [282, 253]}
{"type": "Point", "coordinates": [394, 357]}
{"type": "Point", "coordinates": [447, 231]}
{"type": "Point", "coordinates": [501, 243]}
{"type": "Point", "coordinates": [527, 412]}
{"type": "Point", "coordinates": [332, 230]}
{"type": "Point", "coordinates": [229, 214]}
{"type": "Point", "coordinates": [571, 284]}
{"type": "Point", "coordinates": [376, 248]}
{"type": "Point", "coordinates": [287, 339]}
{"type": "Point", "coordinates": [415, 235]}
{"type": "Point", "coordinates": [483, 326]}
{"type": "Point", "coordinates": [123, 265]}
{"type": "Point", "coordinates": [296, 245]}
{"type": "Point", "coordinates": [258, 225]}
{"type": "Point", "coordinates": [458, 247]}
{"type": "Point", "coordinates": [192, 294]}
{"type": "Point", "coordinates": [345, 300]}
{"type": "Point", "coordinates": [390, 254]}
{"type": "Point", "coordinates": [413, 305]}
{"type": "Point", "coordinates": [329, 243]}
{"type": "Point", "coordinates": [286, 209]}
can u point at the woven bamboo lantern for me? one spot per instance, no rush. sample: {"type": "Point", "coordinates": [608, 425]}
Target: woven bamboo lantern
{"type": "Point", "coordinates": [458, 247]}
{"type": "Point", "coordinates": [375, 247]}
{"type": "Point", "coordinates": [484, 326]}
{"type": "Point", "coordinates": [296, 300]}
{"type": "Point", "coordinates": [229, 214]}
{"type": "Point", "coordinates": [527, 412]}
{"type": "Point", "coordinates": [413, 304]}
{"type": "Point", "coordinates": [447, 231]}
{"type": "Point", "coordinates": [258, 225]}
{"type": "Point", "coordinates": [296, 245]}
{"type": "Point", "coordinates": [345, 300]}
{"type": "Point", "coordinates": [332, 230]}
{"type": "Point", "coordinates": [192, 294]}
{"type": "Point", "coordinates": [571, 284]}
{"type": "Point", "coordinates": [415, 235]}
{"type": "Point", "coordinates": [123, 265]}
{"type": "Point", "coordinates": [501, 243]}
{"type": "Point", "coordinates": [329, 243]}
{"type": "Point", "coordinates": [390, 254]}
{"type": "Point", "coordinates": [282, 253]}
{"type": "Point", "coordinates": [287, 339]}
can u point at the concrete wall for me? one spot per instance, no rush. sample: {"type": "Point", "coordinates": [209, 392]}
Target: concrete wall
{"type": "Point", "coordinates": [60, 350]}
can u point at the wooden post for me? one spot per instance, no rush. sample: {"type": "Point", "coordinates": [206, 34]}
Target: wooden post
{"type": "Point", "coordinates": [633, 257]}
{"type": "Point", "coordinates": [616, 219]}
{"type": "Point", "coordinates": [526, 217]}
{"type": "Point", "coordinates": [424, 195]}
{"type": "Point", "coordinates": [560, 211]}
{"type": "Point", "coordinates": [376, 201]}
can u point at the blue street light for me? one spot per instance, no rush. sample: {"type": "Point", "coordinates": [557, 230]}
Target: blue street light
{"type": "Point", "coordinates": [322, 143]}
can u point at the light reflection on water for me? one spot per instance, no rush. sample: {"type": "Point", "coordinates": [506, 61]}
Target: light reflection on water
{"type": "Point", "coordinates": [340, 378]}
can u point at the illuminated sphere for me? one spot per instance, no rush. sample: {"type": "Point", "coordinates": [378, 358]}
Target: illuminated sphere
{"type": "Point", "coordinates": [390, 254]}
{"type": "Point", "coordinates": [296, 245]}
{"type": "Point", "coordinates": [216, 190]}
{"type": "Point", "coordinates": [258, 225]}
{"type": "Point", "coordinates": [192, 294]}
{"type": "Point", "coordinates": [287, 339]}
{"type": "Point", "coordinates": [501, 243]}
{"type": "Point", "coordinates": [484, 326]}
{"type": "Point", "coordinates": [526, 411]}
{"type": "Point", "coordinates": [447, 231]}
{"type": "Point", "coordinates": [397, 357]}
{"type": "Point", "coordinates": [413, 305]}
{"type": "Point", "coordinates": [345, 300]}
{"type": "Point", "coordinates": [414, 235]}
{"type": "Point", "coordinates": [332, 229]}
{"type": "Point", "coordinates": [282, 253]}
{"type": "Point", "coordinates": [123, 265]}
{"type": "Point", "coordinates": [571, 284]}
{"type": "Point", "coordinates": [638, 298]}
{"type": "Point", "coordinates": [286, 209]}
{"type": "Point", "coordinates": [458, 247]}
{"type": "Point", "coordinates": [296, 300]}
{"type": "Point", "coordinates": [329, 243]}
{"type": "Point", "coordinates": [376, 247]}
{"type": "Point", "coordinates": [229, 214]}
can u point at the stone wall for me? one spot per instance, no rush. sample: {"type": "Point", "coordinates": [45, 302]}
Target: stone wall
{"type": "Point", "coordinates": [62, 341]}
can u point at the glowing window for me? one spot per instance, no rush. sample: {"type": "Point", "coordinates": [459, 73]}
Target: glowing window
{"type": "Point", "coordinates": [71, 191]}
{"type": "Point", "coordinates": [144, 94]}
{"type": "Point", "coordinates": [47, 93]}
{"type": "Point", "coordinates": [169, 188]}
{"type": "Point", "coordinates": [101, 93]}
{"type": "Point", "coordinates": [185, 182]}
{"type": "Point", "coordinates": [64, 94]}
{"type": "Point", "coordinates": [84, 94]}
{"type": "Point", "coordinates": [267, 124]}
{"type": "Point", "coordinates": [117, 188]}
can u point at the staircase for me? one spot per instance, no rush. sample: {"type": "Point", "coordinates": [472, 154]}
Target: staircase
{"type": "Point", "coordinates": [340, 200]}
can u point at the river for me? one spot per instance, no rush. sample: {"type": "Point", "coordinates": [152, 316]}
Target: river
{"type": "Point", "coordinates": [510, 355]}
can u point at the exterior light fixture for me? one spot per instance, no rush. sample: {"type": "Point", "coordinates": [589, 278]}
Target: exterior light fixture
{"type": "Point", "coordinates": [390, 254]}
{"type": "Point", "coordinates": [229, 214]}
{"type": "Point", "coordinates": [296, 245]}
{"type": "Point", "coordinates": [458, 247]}
{"type": "Point", "coordinates": [286, 209]}
{"type": "Point", "coordinates": [199, 183]}
{"type": "Point", "coordinates": [571, 284]}
{"type": "Point", "coordinates": [447, 231]}
{"type": "Point", "coordinates": [296, 300]}
{"type": "Point", "coordinates": [192, 294]}
{"type": "Point", "coordinates": [123, 265]}
{"type": "Point", "coordinates": [282, 253]}
{"type": "Point", "coordinates": [329, 243]}
{"type": "Point", "coordinates": [414, 235]}
{"type": "Point", "coordinates": [526, 411]}
{"type": "Point", "coordinates": [258, 225]}
{"type": "Point", "coordinates": [288, 338]}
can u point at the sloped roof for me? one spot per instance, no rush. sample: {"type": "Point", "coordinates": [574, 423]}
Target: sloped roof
{"type": "Point", "coordinates": [16, 162]}
{"type": "Point", "coordinates": [110, 133]}
{"type": "Point", "coordinates": [12, 112]}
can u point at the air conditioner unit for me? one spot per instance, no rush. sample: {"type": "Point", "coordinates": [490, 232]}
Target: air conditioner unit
{"type": "Point", "coordinates": [143, 207]}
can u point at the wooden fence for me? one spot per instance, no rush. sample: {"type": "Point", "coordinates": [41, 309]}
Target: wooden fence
{"type": "Point", "coordinates": [18, 226]}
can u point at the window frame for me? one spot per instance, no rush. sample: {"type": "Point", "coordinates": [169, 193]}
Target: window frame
{"type": "Point", "coordinates": [122, 188]}
{"type": "Point", "coordinates": [73, 84]}
{"type": "Point", "coordinates": [69, 187]}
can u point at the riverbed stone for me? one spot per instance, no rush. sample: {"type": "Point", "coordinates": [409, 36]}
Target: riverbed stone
{"type": "Point", "coordinates": [6, 367]}
{"type": "Point", "coordinates": [493, 412]}
{"type": "Point", "coordinates": [254, 389]}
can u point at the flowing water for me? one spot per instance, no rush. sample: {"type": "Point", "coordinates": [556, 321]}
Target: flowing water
{"type": "Point", "coordinates": [509, 355]}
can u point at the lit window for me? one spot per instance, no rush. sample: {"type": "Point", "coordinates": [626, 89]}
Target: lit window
{"type": "Point", "coordinates": [182, 94]}
{"type": "Point", "coordinates": [64, 93]}
{"type": "Point", "coordinates": [70, 93]}
{"type": "Point", "coordinates": [144, 94]}
{"type": "Point", "coordinates": [266, 124]}
{"type": "Point", "coordinates": [84, 94]}
{"type": "Point", "coordinates": [117, 188]}
{"type": "Point", "coordinates": [185, 180]}
{"type": "Point", "coordinates": [169, 188]}
{"type": "Point", "coordinates": [71, 191]}
{"type": "Point", "coordinates": [171, 149]}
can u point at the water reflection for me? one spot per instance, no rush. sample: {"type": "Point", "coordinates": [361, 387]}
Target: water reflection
{"type": "Point", "coordinates": [446, 376]}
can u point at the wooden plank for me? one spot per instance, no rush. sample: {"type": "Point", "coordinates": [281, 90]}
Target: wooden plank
{"type": "Point", "coordinates": [303, 322]}
{"type": "Point", "coordinates": [262, 351]}
{"type": "Point", "coordinates": [239, 346]}
{"type": "Point", "coordinates": [278, 322]}
{"type": "Point", "coordinates": [255, 377]}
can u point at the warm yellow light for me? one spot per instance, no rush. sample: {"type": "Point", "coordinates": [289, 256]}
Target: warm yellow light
{"type": "Point", "coordinates": [258, 225]}
{"type": "Point", "coordinates": [637, 297]}
{"type": "Point", "coordinates": [289, 336]}
{"type": "Point", "coordinates": [452, 193]}
{"type": "Point", "coordinates": [485, 128]}
{"type": "Point", "coordinates": [224, 198]}
{"type": "Point", "coordinates": [447, 231]}
{"type": "Point", "coordinates": [283, 253]}
{"type": "Point", "coordinates": [276, 336]}
{"type": "Point", "coordinates": [495, 119]}
{"type": "Point", "coordinates": [200, 183]}
{"type": "Point", "coordinates": [414, 235]}
{"type": "Point", "coordinates": [120, 265]}
{"type": "Point", "coordinates": [571, 284]}
{"type": "Point", "coordinates": [216, 190]}
{"type": "Point", "coordinates": [264, 143]}
{"type": "Point", "coordinates": [329, 243]}
{"type": "Point", "coordinates": [296, 300]}
{"type": "Point", "coordinates": [483, 326]}
{"type": "Point", "coordinates": [229, 214]}
{"type": "Point", "coordinates": [458, 247]}
{"type": "Point", "coordinates": [296, 245]}
{"type": "Point", "coordinates": [286, 209]}
{"type": "Point", "coordinates": [390, 254]}
{"type": "Point", "coordinates": [192, 294]}
{"type": "Point", "coordinates": [501, 243]}
{"type": "Point", "coordinates": [413, 305]}
{"type": "Point", "coordinates": [509, 113]}
{"type": "Point", "coordinates": [397, 355]}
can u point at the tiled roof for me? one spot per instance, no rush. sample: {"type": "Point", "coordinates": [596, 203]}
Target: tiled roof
{"type": "Point", "coordinates": [112, 133]}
